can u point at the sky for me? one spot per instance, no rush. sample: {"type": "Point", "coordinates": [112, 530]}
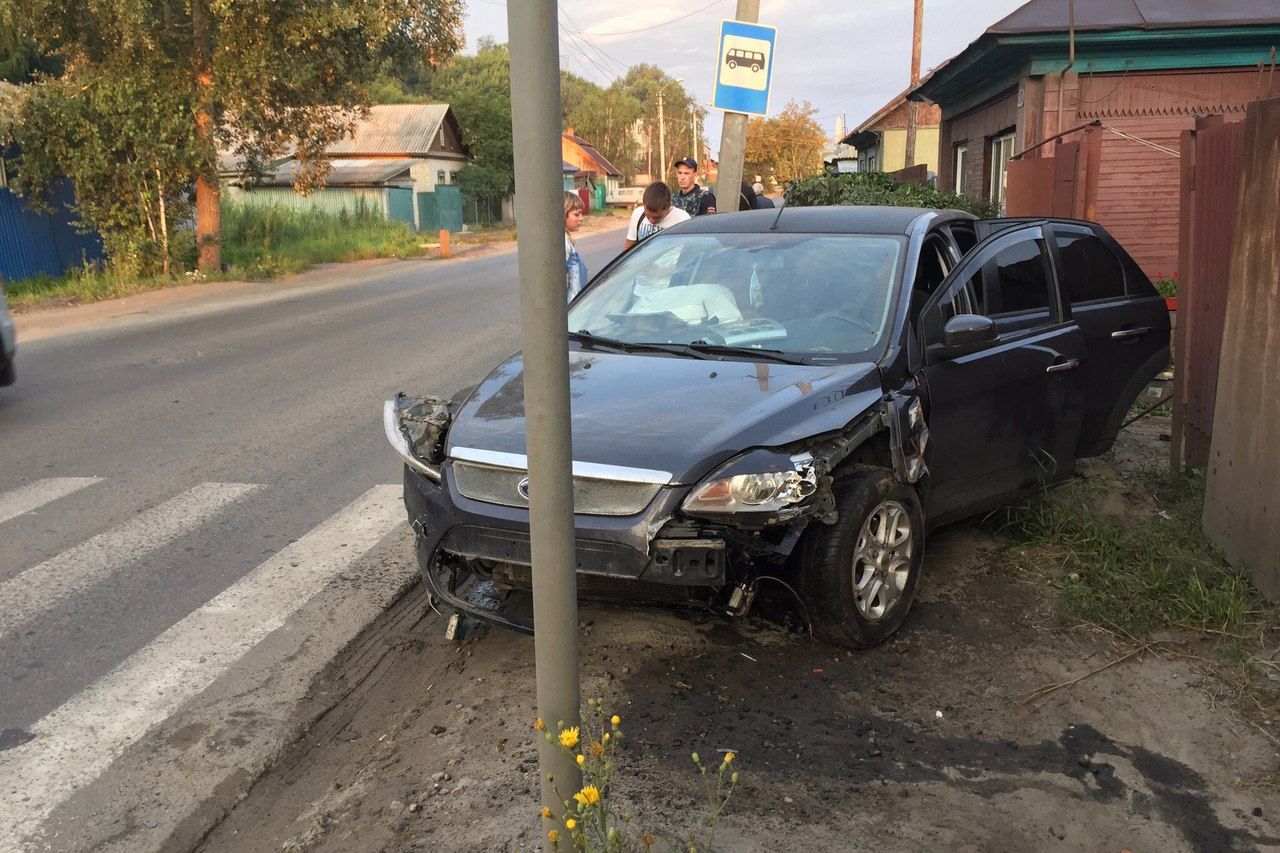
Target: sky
{"type": "Point", "coordinates": [850, 57]}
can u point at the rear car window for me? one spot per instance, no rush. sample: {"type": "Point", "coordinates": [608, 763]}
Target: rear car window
{"type": "Point", "coordinates": [1090, 270]}
{"type": "Point", "coordinates": [1020, 281]}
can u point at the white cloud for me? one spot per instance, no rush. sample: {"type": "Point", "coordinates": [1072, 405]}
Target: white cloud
{"type": "Point", "coordinates": [842, 57]}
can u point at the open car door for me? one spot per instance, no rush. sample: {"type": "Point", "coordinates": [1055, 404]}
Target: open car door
{"type": "Point", "coordinates": [1000, 365]}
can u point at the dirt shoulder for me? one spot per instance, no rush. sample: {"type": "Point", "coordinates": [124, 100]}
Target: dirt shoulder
{"type": "Point", "coordinates": [918, 744]}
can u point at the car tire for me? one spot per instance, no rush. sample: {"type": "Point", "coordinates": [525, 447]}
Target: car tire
{"type": "Point", "coordinates": [732, 64]}
{"type": "Point", "coordinates": [839, 558]}
{"type": "Point", "coordinates": [755, 67]}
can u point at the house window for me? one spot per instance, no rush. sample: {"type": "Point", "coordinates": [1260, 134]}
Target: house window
{"type": "Point", "coordinates": [453, 178]}
{"type": "Point", "coordinates": [441, 178]}
{"type": "Point", "coordinates": [1001, 154]}
{"type": "Point", "coordinates": [960, 161]}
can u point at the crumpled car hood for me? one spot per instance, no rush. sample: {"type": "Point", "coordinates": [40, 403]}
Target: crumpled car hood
{"type": "Point", "coordinates": [680, 415]}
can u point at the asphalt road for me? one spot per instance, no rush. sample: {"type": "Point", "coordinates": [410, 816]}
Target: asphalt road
{"type": "Point", "coordinates": [158, 473]}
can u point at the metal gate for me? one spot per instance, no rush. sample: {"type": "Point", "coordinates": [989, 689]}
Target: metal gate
{"type": "Point", "coordinates": [440, 209]}
{"type": "Point", "coordinates": [1065, 184]}
{"type": "Point", "coordinates": [1212, 155]}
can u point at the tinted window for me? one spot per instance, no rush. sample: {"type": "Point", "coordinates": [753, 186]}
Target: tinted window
{"type": "Point", "coordinates": [1089, 269]}
{"type": "Point", "coordinates": [1018, 279]}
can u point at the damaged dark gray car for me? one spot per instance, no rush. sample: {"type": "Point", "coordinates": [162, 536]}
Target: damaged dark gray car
{"type": "Point", "coordinates": [794, 396]}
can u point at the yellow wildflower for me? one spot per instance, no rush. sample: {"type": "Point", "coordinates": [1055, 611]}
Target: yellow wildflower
{"type": "Point", "coordinates": [728, 757]}
{"type": "Point", "coordinates": [615, 720]}
{"type": "Point", "coordinates": [588, 796]}
{"type": "Point", "coordinates": [582, 759]}
{"type": "Point", "coordinates": [546, 813]}
{"type": "Point", "coordinates": [571, 824]}
{"type": "Point", "coordinates": [569, 738]}
{"type": "Point", "coordinates": [539, 724]}
{"type": "Point", "coordinates": [553, 836]}
{"type": "Point", "coordinates": [606, 737]}
{"type": "Point", "coordinates": [597, 750]}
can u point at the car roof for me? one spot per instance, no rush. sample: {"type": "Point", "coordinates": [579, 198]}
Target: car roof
{"type": "Point", "coordinates": [834, 219]}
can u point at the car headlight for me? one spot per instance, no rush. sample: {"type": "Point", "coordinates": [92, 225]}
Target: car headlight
{"type": "Point", "coordinates": [393, 412]}
{"type": "Point", "coordinates": [755, 491]}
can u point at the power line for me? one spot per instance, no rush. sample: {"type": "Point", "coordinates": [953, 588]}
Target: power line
{"type": "Point", "coordinates": [663, 24]}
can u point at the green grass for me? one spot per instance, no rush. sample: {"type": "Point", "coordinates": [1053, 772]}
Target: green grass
{"type": "Point", "coordinates": [270, 241]}
{"type": "Point", "coordinates": [258, 242]}
{"type": "Point", "coordinates": [1145, 574]}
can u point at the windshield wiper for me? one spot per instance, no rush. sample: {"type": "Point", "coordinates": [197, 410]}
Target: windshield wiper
{"type": "Point", "coordinates": [594, 341]}
{"type": "Point", "coordinates": [762, 354]}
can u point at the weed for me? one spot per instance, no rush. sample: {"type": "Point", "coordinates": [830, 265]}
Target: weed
{"type": "Point", "coordinates": [257, 242]}
{"type": "Point", "coordinates": [1159, 573]}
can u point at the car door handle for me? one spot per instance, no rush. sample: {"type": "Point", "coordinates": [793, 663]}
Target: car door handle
{"type": "Point", "coordinates": [1062, 366]}
{"type": "Point", "coordinates": [1135, 332]}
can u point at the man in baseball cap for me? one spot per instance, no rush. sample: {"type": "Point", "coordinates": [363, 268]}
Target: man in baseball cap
{"type": "Point", "coordinates": [691, 198]}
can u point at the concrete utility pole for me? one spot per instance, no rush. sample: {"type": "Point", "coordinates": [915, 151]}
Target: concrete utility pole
{"type": "Point", "coordinates": [733, 137]}
{"type": "Point", "coordinates": [662, 135]}
{"type": "Point", "coordinates": [693, 116]}
{"type": "Point", "coordinates": [913, 119]}
{"type": "Point", "coordinates": [535, 125]}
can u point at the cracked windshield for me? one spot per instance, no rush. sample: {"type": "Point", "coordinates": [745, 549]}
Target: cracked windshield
{"type": "Point", "coordinates": [820, 297]}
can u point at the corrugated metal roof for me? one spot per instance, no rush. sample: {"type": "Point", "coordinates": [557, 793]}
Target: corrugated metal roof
{"type": "Point", "coordinates": [590, 150]}
{"type": "Point", "coordinates": [1040, 16]}
{"type": "Point", "coordinates": [348, 172]}
{"type": "Point", "coordinates": [395, 129]}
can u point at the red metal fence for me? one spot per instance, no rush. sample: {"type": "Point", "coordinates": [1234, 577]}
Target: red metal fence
{"type": "Point", "coordinates": [1212, 155]}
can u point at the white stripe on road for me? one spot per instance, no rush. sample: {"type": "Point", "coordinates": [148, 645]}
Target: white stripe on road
{"type": "Point", "coordinates": [37, 494]}
{"type": "Point", "coordinates": [40, 588]}
{"type": "Point", "coordinates": [75, 743]}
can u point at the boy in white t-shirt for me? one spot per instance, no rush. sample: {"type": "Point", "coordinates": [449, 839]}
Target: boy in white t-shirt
{"type": "Point", "coordinates": [655, 214]}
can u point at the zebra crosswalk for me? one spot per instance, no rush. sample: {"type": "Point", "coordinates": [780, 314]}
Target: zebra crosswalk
{"type": "Point", "coordinates": [71, 746]}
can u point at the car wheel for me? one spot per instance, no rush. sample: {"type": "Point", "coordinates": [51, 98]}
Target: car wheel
{"type": "Point", "coordinates": [732, 64]}
{"type": "Point", "coordinates": [755, 67]}
{"type": "Point", "coordinates": [858, 576]}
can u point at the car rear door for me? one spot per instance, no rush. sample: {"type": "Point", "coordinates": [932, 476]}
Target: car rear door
{"type": "Point", "coordinates": [1006, 418]}
{"type": "Point", "coordinates": [1124, 321]}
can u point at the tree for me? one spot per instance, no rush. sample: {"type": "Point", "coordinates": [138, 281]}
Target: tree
{"type": "Point", "coordinates": [254, 77]}
{"type": "Point", "coordinates": [789, 145]}
{"type": "Point", "coordinates": [607, 119]}
{"type": "Point", "coordinates": [478, 88]}
{"type": "Point", "coordinates": [679, 109]}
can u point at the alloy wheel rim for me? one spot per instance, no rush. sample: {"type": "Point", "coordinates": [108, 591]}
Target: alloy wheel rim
{"type": "Point", "coordinates": [882, 560]}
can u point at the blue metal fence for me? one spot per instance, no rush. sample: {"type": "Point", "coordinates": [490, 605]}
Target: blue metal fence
{"type": "Point", "coordinates": [34, 243]}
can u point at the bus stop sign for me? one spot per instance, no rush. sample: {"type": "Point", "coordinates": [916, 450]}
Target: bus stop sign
{"type": "Point", "coordinates": [744, 67]}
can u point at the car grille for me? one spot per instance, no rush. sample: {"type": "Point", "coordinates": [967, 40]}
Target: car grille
{"type": "Point", "coordinates": [591, 496]}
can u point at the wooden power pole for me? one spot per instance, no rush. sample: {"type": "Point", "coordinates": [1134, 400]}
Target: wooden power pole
{"type": "Point", "coordinates": [733, 138]}
{"type": "Point", "coordinates": [917, 31]}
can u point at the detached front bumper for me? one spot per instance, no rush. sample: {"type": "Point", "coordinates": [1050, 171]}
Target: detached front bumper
{"type": "Point", "coordinates": [646, 557]}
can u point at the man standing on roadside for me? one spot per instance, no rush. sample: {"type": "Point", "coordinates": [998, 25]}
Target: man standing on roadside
{"type": "Point", "coordinates": [692, 199]}
{"type": "Point", "coordinates": [654, 215]}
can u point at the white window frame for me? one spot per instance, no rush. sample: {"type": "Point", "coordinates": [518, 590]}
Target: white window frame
{"type": "Point", "coordinates": [1001, 153]}
{"type": "Point", "coordinates": [959, 163]}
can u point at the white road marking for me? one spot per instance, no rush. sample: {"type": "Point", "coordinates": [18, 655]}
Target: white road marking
{"type": "Point", "coordinates": [40, 588]}
{"type": "Point", "coordinates": [37, 494]}
{"type": "Point", "coordinates": [75, 743]}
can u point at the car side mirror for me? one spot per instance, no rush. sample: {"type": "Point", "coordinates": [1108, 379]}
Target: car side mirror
{"type": "Point", "coordinates": [964, 334]}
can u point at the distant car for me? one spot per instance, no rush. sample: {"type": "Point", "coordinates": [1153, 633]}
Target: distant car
{"type": "Point", "coordinates": [795, 396]}
{"type": "Point", "coordinates": [8, 344]}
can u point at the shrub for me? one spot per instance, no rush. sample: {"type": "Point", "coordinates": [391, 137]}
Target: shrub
{"type": "Point", "coordinates": [879, 188]}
